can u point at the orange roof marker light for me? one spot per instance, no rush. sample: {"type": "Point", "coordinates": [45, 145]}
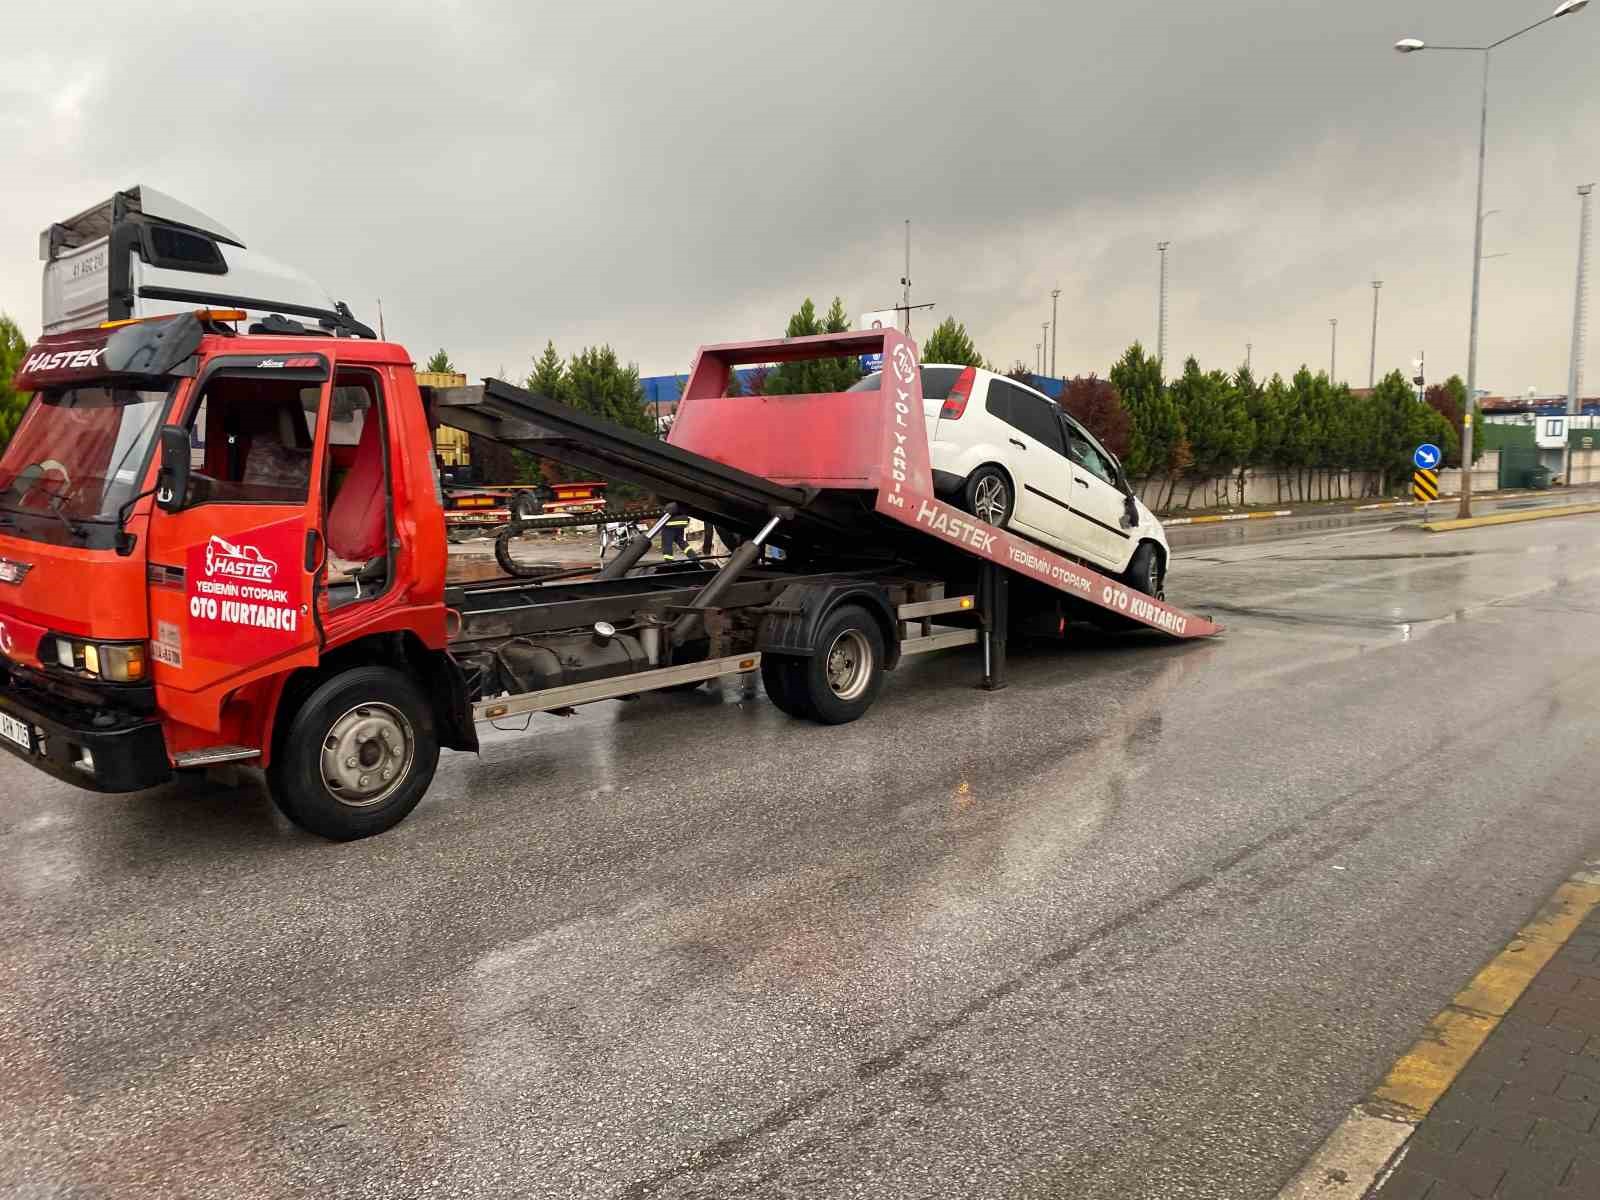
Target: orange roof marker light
{"type": "Point", "coordinates": [202, 314]}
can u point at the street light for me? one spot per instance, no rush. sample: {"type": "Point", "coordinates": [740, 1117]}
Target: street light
{"type": "Point", "coordinates": [1411, 46]}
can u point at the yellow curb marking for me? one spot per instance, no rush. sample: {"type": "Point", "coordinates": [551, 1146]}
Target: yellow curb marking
{"type": "Point", "coordinates": [1538, 514]}
{"type": "Point", "coordinates": [1423, 1074]}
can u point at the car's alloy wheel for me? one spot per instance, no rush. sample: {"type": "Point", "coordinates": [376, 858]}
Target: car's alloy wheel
{"type": "Point", "coordinates": [991, 500]}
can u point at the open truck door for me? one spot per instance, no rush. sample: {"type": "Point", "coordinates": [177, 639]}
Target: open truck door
{"type": "Point", "coordinates": [235, 561]}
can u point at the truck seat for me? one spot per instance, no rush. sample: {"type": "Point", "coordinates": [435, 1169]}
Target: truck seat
{"type": "Point", "coordinates": [358, 517]}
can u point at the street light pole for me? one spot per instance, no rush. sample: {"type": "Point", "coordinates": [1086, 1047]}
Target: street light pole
{"type": "Point", "coordinates": [1055, 296]}
{"type": "Point", "coordinates": [1333, 349]}
{"type": "Point", "coordinates": [1372, 363]}
{"type": "Point", "coordinates": [1161, 316]}
{"type": "Point", "coordinates": [905, 282]}
{"type": "Point", "coordinates": [1464, 510]}
{"type": "Point", "coordinates": [1044, 329]}
{"type": "Point", "coordinates": [1575, 367]}
{"type": "Point", "coordinates": [1410, 46]}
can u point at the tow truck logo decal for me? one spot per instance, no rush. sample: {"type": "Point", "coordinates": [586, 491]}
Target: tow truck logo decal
{"type": "Point", "coordinates": [903, 364]}
{"type": "Point", "coordinates": [7, 646]}
{"type": "Point", "coordinates": [12, 571]}
{"type": "Point", "coordinates": [244, 598]}
{"type": "Point", "coordinates": [62, 360]}
{"type": "Point", "coordinates": [238, 562]}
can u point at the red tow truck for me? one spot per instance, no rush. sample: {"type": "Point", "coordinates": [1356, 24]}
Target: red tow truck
{"type": "Point", "coordinates": [224, 548]}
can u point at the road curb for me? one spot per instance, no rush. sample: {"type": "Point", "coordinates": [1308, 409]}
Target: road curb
{"type": "Point", "coordinates": [1250, 516]}
{"type": "Point", "coordinates": [1372, 1140]}
{"type": "Point", "coordinates": [1312, 512]}
{"type": "Point", "coordinates": [1513, 518]}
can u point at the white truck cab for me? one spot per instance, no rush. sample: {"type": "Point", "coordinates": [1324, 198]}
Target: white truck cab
{"type": "Point", "coordinates": [143, 253]}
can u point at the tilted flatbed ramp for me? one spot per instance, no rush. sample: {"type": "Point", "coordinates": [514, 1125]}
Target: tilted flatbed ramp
{"type": "Point", "coordinates": [546, 427]}
{"type": "Point", "coordinates": [853, 465]}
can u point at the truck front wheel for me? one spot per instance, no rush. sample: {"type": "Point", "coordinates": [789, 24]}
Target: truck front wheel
{"type": "Point", "coordinates": [357, 756]}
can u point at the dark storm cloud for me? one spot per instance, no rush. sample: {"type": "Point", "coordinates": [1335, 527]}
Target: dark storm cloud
{"type": "Point", "coordinates": [662, 175]}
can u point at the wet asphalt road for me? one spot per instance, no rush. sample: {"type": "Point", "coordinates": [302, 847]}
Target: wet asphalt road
{"type": "Point", "coordinates": [1143, 924]}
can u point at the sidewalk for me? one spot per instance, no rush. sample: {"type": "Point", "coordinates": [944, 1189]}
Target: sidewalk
{"type": "Point", "coordinates": [1520, 1120]}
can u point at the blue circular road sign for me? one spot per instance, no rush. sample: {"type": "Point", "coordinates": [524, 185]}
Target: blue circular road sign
{"type": "Point", "coordinates": [1427, 456]}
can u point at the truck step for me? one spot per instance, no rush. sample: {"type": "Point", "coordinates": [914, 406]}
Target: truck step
{"type": "Point", "coordinates": [213, 756]}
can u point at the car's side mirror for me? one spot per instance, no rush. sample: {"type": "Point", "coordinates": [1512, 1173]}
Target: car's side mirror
{"type": "Point", "coordinates": [172, 483]}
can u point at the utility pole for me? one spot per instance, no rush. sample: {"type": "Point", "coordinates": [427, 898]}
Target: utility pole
{"type": "Point", "coordinates": [1372, 363]}
{"type": "Point", "coordinates": [905, 281]}
{"type": "Point", "coordinates": [1161, 317]}
{"type": "Point", "coordinates": [1038, 358]}
{"type": "Point", "coordinates": [1247, 349]}
{"type": "Point", "coordinates": [1333, 348]}
{"type": "Point", "coordinates": [1055, 295]}
{"type": "Point", "coordinates": [1579, 321]}
{"type": "Point", "coordinates": [1045, 346]}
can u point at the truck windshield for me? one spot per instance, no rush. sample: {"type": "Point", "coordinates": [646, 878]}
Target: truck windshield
{"type": "Point", "coordinates": [80, 452]}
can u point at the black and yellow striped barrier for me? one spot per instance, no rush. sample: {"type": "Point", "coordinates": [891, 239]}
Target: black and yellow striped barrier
{"type": "Point", "coordinates": [1425, 484]}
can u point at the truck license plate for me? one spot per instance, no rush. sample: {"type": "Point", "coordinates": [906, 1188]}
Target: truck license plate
{"type": "Point", "coordinates": [16, 732]}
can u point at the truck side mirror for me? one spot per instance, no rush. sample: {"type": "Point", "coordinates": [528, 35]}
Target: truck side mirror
{"type": "Point", "coordinates": [172, 483]}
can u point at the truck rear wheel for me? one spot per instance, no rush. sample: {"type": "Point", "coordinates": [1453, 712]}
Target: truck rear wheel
{"type": "Point", "coordinates": [842, 678]}
{"type": "Point", "coordinates": [781, 675]}
{"type": "Point", "coordinates": [357, 756]}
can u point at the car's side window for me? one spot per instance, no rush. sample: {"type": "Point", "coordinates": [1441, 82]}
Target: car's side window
{"type": "Point", "coordinates": [1083, 452]}
{"type": "Point", "coordinates": [1032, 415]}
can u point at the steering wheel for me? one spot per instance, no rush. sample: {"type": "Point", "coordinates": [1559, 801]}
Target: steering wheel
{"type": "Point", "coordinates": [54, 464]}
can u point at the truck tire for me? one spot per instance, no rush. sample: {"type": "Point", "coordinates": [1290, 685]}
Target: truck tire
{"type": "Point", "coordinates": [988, 495]}
{"type": "Point", "coordinates": [525, 505]}
{"type": "Point", "coordinates": [781, 675]}
{"type": "Point", "coordinates": [357, 756]}
{"type": "Point", "coordinates": [1144, 571]}
{"type": "Point", "coordinates": [842, 678]}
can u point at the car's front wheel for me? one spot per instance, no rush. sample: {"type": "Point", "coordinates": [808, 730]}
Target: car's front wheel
{"type": "Point", "coordinates": [1144, 571]}
{"type": "Point", "coordinates": [988, 495]}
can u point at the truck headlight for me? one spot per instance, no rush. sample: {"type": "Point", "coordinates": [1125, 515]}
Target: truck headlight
{"type": "Point", "coordinates": [115, 662]}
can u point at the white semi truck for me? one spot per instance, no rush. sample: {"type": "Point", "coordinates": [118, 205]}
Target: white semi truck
{"type": "Point", "coordinates": [143, 253]}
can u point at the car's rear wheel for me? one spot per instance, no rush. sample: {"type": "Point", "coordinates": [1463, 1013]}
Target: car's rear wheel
{"type": "Point", "coordinates": [988, 495]}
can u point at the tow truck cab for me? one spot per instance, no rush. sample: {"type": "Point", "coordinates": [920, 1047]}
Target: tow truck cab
{"type": "Point", "coordinates": [192, 522]}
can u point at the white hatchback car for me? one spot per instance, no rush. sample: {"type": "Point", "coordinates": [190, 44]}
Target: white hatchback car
{"type": "Point", "coordinates": [1011, 457]}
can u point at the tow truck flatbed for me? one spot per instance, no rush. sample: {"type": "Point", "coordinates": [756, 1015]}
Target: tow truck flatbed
{"type": "Point", "coordinates": [846, 473]}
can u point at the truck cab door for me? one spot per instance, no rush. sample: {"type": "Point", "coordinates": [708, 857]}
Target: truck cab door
{"type": "Point", "coordinates": [232, 573]}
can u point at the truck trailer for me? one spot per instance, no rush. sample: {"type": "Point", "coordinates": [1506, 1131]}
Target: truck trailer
{"type": "Point", "coordinates": [278, 599]}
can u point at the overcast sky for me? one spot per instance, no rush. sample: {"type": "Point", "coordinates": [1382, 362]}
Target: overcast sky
{"type": "Point", "coordinates": [661, 175]}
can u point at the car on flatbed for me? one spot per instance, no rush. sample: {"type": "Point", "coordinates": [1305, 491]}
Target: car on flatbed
{"type": "Point", "coordinates": [1011, 457]}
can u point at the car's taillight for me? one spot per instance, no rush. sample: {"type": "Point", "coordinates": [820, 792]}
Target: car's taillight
{"type": "Point", "coordinates": [960, 391]}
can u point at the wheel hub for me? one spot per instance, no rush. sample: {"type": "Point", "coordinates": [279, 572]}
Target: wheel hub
{"type": "Point", "coordinates": [849, 664]}
{"type": "Point", "coordinates": [367, 754]}
{"type": "Point", "coordinates": [989, 499]}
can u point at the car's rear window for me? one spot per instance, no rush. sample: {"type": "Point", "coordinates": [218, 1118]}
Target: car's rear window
{"type": "Point", "coordinates": [936, 381]}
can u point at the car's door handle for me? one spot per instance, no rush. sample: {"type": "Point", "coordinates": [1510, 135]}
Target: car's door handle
{"type": "Point", "coordinates": [1017, 444]}
{"type": "Point", "coordinates": [1080, 481]}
